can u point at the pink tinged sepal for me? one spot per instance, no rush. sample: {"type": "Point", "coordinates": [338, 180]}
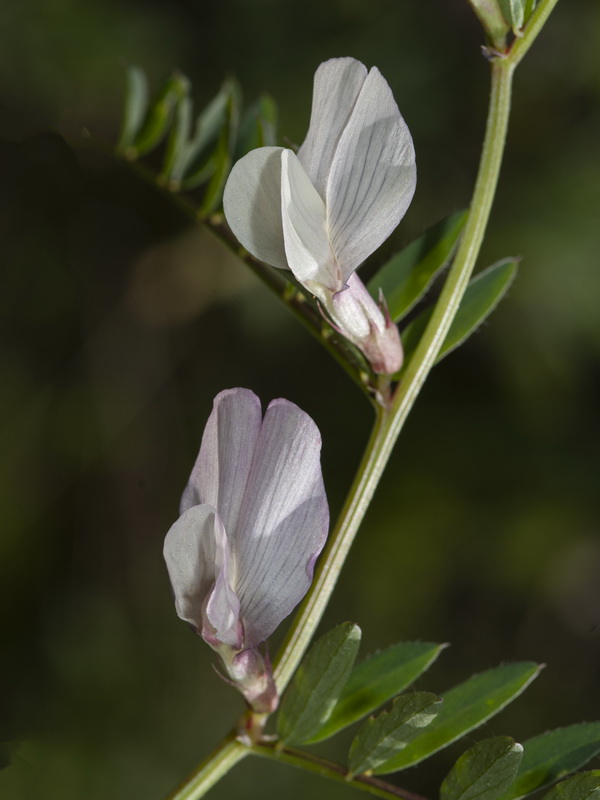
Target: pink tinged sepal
{"type": "Point", "coordinates": [251, 674]}
{"type": "Point", "coordinates": [367, 325]}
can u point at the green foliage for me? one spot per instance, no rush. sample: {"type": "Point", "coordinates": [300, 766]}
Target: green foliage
{"type": "Point", "coordinates": [317, 684]}
{"type": "Point", "coordinates": [553, 755]}
{"type": "Point", "coordinates": [466, 706]}
{"type": "Point", "coordinates": [377, 679]}
{"type": "Point", "coordinates": [381, 737]}
{"type": "Point", "coordinates": [483, 294]}
{"type": "Point", "coordinates": [585, 786]}
{"type": "Point", "coordinates": [135, 109]}
{"type": "Point", "coordinates": [484, 771]}
{"type": "Point", "coordinates": [405, 278]}
{"type": "Point", "coordinates": [198, 151]}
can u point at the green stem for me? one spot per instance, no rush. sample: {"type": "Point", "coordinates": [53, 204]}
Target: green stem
{"type": "Point", "coordinates": [336, 772]}
{"type": "Point", "coordinates": [389, 421]}
{"type": "Point", "coordinates": [212, 769]}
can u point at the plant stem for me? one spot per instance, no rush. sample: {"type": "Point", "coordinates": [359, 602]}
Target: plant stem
{"type": "Point", "coordinates": [212, 769]}
{"type": "Point", "coordinates": [329, 769]}
{"type": "Point", "coordinates": [389, 421]}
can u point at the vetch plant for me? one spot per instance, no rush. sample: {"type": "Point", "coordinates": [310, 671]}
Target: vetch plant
{"type": "Point", "coordinates": [254, 518]}
{"type": "Point", "coordinates": [254, 515]}
{"type": "Point", "coordinates": [322, 212]}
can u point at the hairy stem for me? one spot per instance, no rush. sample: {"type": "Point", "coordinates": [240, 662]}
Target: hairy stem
{"type": "Point", "coordinates": [333, 771]}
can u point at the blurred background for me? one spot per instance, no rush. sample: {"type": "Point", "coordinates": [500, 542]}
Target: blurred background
{"type": "Point", "coordinates": [120, 320]}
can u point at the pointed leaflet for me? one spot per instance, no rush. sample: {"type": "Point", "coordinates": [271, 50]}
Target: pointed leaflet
{"type": "Point", "coordinates": [177, 141]}
{"type": "Point", "coordinates": [377, 679]}
{"type": "Point", "coordinates": [317, 684]}
{"type": "Point", "coordinates": [136, 105]}
{"type": "Point", "coordinates": [191, 162]}
{"type": "Point", "coordinates": [466, 706]}
{"type": "Point", "coordinates": [585, 786]}
{"type": "Point", "coordinates": [258, 127]}
{"type": "Point", "coordinates": [405, 278]}
{"type": "Point", "coordinates": [159, 116]}
{"type": "Point", "coordinates": [484, 771]}
{"type": "Point", "coordinates": [283, 521]}
{"type": "Point", "coordinates": [372, 178]}
{"type": "Point", "coordinates": [553, 755]}
{"type": "Point", "coordinates": [381, 737]}
{"type": "Point", "coordinates": [222, 157]}
{"type": "Point", "coordinates": [482, 296]}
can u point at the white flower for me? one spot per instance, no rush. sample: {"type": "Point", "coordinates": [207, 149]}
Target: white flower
{"type": "Point", "coordinates": [322, 212]}
{"type": "Point", "coordinates": [254, 518]}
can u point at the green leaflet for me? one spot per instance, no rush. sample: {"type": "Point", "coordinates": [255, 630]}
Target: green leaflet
{"type": "Point", "coordinates": [553, 755]}
{"type": "Point", "coordinates": [136, 105]}
{"type": "Point", "coordinates": [407, 275]}
{"type": "Point", "coordinates": [377, 679]}
{"type": "Point", "coordinates": [585, 786]}
{"type": "Point", "coordinates": [381, 737]}
{"type": "Point", "coordinates": [159, 116]}
{"type": "Point", "coordinates": [466, 706]}
{"type": "Point", "coordinates": [484, 771]}
{"type": "Point", "coordinates": [317, 684]}
{"type": "Point", "coordinates": [514, 12]}
{"type": "Point", "coordinates": [258, 127]}
{"type": "Point", "coordinates": [483, 294]}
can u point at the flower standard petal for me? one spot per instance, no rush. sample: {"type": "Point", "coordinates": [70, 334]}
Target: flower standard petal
{"type": "Point", "coordinates": [252, 204]}
{"type": "Point", "coordinates": [223, 465]}
{"type": "Point", "coordinates": [372, 178]}
{"type": "Point", "coordinates": [190, 551]}
{"type": "Point", "coordinates": [284, 521]}
{"type": "Point", "coordinates": [304, 217]}
{"type": "Point", "coordinates": [336, 88]}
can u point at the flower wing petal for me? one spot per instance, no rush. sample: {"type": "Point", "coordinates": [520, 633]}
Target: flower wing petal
{"type": "Point", "coordinates": [223, 465]}
{"type": "Point", "coordinates": [284, 521]}
{"type": "Point", "coordinates": [252, 204]}
{"type": "Point", "coordinates": [372, 178]}
{"type": "Point", "coordinates": [337, 85]}
{"type": "Point", "coordinates": [304, 219]}
{"type": "Point", "coordinates": [190, 551]}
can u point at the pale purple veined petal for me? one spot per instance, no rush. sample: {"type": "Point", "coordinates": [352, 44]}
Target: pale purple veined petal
{"type": "Point", "coordinates": [252, 204]}
{"type": "Point", "coordinates": [222, 468]}
{"type": "Point", "coordinates": [303, 213]}
{"type": "Point", "coordinates": [372, 178]}
{"type": "Point", "coordinates": [284, 521]}
{"type": "Point", "coordinates": [336, 88]}
{"type": "Point", "coordinates": [193, 551]}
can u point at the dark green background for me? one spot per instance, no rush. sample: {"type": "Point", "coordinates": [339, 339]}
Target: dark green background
{"type": "Point", "coordinates": [120, 322]}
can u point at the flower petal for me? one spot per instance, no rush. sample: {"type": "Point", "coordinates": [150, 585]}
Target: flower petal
{"type": "Point", "coordinates": [222, 624]}
{"type": "Point", "coordinates": [284, 521]}
{"type": "Point", "coordinates": [190, 551]}
{"type": "Point", "coordinates": [223, 465]}
{"type": "Point", "coordinates": [336, 88]}
{"type": "Point", "coordinates": [252, 204]}
{"type": "Point", "coordinates": [372, 178]}
{"type": "Point", "coordinates": [303, 213]}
